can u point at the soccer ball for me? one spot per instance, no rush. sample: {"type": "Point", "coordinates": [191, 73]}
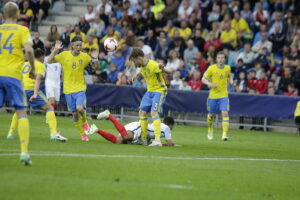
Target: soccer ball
{"type": "Point", "coordinates": [110, 44]}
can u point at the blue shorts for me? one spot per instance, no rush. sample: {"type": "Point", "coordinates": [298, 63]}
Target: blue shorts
{"type": "Point", "coordinates": [216, 105]}
{"type": "Point", "coordinates": [75, 99]}
{"type": "Point", "coordinates": [11, 89]}
{"type": "Point", "coordinates": [40, 100]}
{"type": "Point", "coordinates": [152, 101]}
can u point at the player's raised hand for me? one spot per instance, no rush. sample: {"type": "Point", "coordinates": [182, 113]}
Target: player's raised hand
{"type": "Point", "coordinates": [32, 98]}
{"type": "Point", "coordinates": [95, 54]}
{"type": "Point", "coordinates": [58, 45]}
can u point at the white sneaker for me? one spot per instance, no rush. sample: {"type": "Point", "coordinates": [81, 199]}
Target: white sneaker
{"type": "Point", "coordinates": [58, 137]}
{"type": "Point", "coordinates": [210, 136]}
{"type": "Point", "coordinates": [155, 143]}
{"type": "Point", "coordinates": [224, 138]}
{"type": "Point", "coordinates": [93, 129]}
{"type": "Point", "coordinates": [103, 115]}
{"type": "Point", "coordinates": [10, 136]}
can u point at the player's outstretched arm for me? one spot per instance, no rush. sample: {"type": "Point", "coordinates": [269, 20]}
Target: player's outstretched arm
{"type": "Point", "coordinates": [58, 46]}
{"type": "Point", "coordinates": [37, 84]}
{"type": "Point", "coordinates": [30, 57]}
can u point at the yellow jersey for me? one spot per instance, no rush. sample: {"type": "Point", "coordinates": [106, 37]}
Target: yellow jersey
{"type": "Point", "coordinates": [240, 25]}
{"type": "Point", "coordinates": [153, 77]}
{"type": "Point", "coordinates": [28, 83]}
{"type": "Point", "coordinates": [226, 36]}
{"type": "Point", "coordinates": [73, 35]}
{"type": "Point", "coordinates": [73, 70]}
{"type": "Point", "coordinates": [12, 39]}
{"type": "Point", "coordinates": [220, 77]}
{"type": "Point", "coordinates": [297, 110]}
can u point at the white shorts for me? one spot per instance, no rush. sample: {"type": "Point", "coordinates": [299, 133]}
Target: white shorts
{"type": "Point", "coordinates": [53, 91]}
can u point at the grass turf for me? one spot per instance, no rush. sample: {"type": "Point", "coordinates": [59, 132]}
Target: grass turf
{"type": "Point", "coordinates": [154, 175]}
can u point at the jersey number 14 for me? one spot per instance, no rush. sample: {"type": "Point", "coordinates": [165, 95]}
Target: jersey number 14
{"type": "Point", "coordinates": [7, 45]}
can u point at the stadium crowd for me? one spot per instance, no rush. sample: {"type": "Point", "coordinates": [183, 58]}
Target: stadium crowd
{"type": "Point", "coordinates": [261, 40]}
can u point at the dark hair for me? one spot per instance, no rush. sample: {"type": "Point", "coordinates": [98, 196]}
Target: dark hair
{"type": "Point", "coordinates": [38, 53]}
{"type": "Point", "coordinates": [136, 52]}
{"type": "Point", "coordinates": [169, 121]}
{"type": "Point", "coordinates": [76, 39]}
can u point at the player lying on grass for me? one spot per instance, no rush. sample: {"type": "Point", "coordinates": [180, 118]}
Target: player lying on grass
{"type": "Point", "coordinates": [131, 133]}
{"type": "Point", "coordinates": [36, 98]}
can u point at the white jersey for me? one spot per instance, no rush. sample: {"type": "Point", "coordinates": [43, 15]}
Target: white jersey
{"type": "Point", "coordinates": [135, 127]}
{"type": "Point", "coordinates": [53, 72]}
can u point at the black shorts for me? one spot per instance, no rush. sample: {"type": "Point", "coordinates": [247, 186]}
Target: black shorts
{"type": "Point", "coordinates": [297, 120]}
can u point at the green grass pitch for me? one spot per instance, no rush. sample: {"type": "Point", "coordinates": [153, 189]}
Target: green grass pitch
{"type": "Point", "coordinates": [101, 170]}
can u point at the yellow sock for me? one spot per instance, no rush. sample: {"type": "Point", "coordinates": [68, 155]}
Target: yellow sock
{"type": "Point", "coordinates": [13, 124]}
{"type": "Point", "coordinates": [51, 119]}
{"type": "Point", "coordinates": [225, 125]}
{"type": "Point", "coordinates": [23, 129]}
{"type": "Point", "coordinates": [79, 125]}
{"type": "Point", "coordinates": [144, 125]}
{"type": "Point", "coordinates": [83, 117]}
{"type": "Point", "coordinates": [157, 127]}
{"type": "Point", "coordinates": [210, 123]}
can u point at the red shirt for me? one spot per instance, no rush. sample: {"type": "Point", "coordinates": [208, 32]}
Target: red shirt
{"type": "Point", "coordinates": [216, 43]}
{"type": "Point", "coordinates": [261, 86]}
{"type": "Point", "coordinates": [291, 94]}
{"type": "Point", "coordinates": [202, 66]}
{"type": "Point", "coordinates": [195, 84]}
{"type": "Point", "coordinates": [252, 83]}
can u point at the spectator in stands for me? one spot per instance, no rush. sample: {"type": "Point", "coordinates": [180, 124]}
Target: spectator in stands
{"type": "Point", "coordinates": [240, 85]}
{"type": "Point", "coordinates": [65, 37]}
{"type": "Point", "coordinates": [103, 68]}
{"type": "Point", "coordinates": [261, 84]}
{"type": "Point", "coordinates": [130, 38]}
{"type": "Point", "coordinates": [37, 42]}
{"type": "Point", "coordinates": [240, 67]}
{"type": "Point", "coordinates": [90, 15]}
{"type": "Point", "coordinates": [97, 26]}
{"type": "Point", "coordinates": [151, 40]}
{"type": "Point", "coordinates": [139, 24]}
{"type": "Point", "coordinates": [280, 22]}
{"type": "Point", "coordinates": [140, 82]}
{"type": "Point", "coordinates": [296, 39]}
{"type": "Point", "coordinates": [83, 25]}
{"type": "Point", "coordinates": [184, 31]}
{"type": "Point", "coordinates": [176, 83]}
{"type": "Point", "coordinates": [277, 38]}
{"type": "Point", "coordinates": [25, 14]}
{"type": "Point", "coordinates": [42, 7]}
{"type": "Point", "coordinates": [161, 22]}
{"type": "Point", "coordinates": [119, 61]}
{"type": "Point", "coordinates": [158, 7]}
{"type": "Point", "coordinates": [212, 41]}
{"type": "Point", "coordinates": [123, 80]}
{"type": "Point", "coordinates": [257, 37]}
{"type": "Point", "coordinates": [173, 61]}
{"type": "Point", "coordinates": [264, 42]}
{"type": "Point", "coordinates": [271, 91]}
{"type": "Point", "coordinates": [185, 86]}
{"type": "Point", "coordinates": [146, 49]}
{"type": "Point", "coordinates": [260, 15]}
{"type": "Point", "coordinates": [201, 62]}
{"type": "Point", "coordinates": [275, 79]}
{"type": "Point", "coordinates": [184, 73]}
{"type": "Point", "coordinates": [2, 20]}
{"type": "Point", "coordinates": [215, 15]}
{"type": "Point", "coordinates": [229, 37]}
{"type": "Point", "coordinates": [106, 6]}
{"type": "Point", "coordinates": [293, 59]}
{"type": "Point", "coordinates": [161, 52]}
{"type": "Point", "coordinates": [190, 51]}
{"type": "Point", "coordinates": [252, 80]}
{"type": "Point", "coordinates": [171, 8]}
{"type": "Point", "coordinates": [89, 45]}
{"type": "Point", "coordinates": [246, 13]}
{"type": "Point", "coordinates": [53, 34]}
{"type": "Point", "coordinates": [113, 25]}
{"type": "Point", "coordinates": [291, 90]}
{"type": "Point", "coordinates": [184, 10]}
{"type": "Point", "coordinates": [241, 27]}
{"type": "Point", "coordinates": [77, 33]}
{"type": "Point", "coordinates": [247, 55]}
{"type": "Point", "coordinates": [195, 81]}
{"type": "Point", "coordinates": [113, 74]}
{"type": "Point", "coordinates": [262, 58]}
{"type": "Point", "coordinates": [198, 39]}
{"type": "Point", "coordinates": [230, 60]}
{"type": "Point", "coordinates": [286, 80]}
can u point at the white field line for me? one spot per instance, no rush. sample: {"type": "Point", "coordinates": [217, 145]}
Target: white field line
{"type": "Point", "coordinates": [57, 154]}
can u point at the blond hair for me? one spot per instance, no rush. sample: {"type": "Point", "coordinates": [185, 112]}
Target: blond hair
{"type": "Point", "coordinates": [11, 10]}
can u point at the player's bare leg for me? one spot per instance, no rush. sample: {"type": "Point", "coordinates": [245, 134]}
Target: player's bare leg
{"type": "Point", "coordinates": [157, 129]}
{"type": "Point", "coordinates": [225, 125]}
{"type": "Point", "coordinates": [210, 125]}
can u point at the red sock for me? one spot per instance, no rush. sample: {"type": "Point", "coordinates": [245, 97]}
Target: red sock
{"type": "Point", "coordinates": [108, 136]}
{"type": "Point", "coordinates": [120, 127]}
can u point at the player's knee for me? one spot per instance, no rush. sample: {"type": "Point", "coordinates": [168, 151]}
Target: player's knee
{"type": "Point", "coordinates": [80, 109]}
{"type": "Point", "coordinates": [142, 113]}
{"type": "Point", "coordinates": [21, 113]}
{"type": "Point", "coordinates": [154, 114]}
{"type": "Point", "coordinates": [224, 114]}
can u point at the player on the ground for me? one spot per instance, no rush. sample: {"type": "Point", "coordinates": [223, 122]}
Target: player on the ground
{"type": "Point", "coordinates": [73, 63]}
{"type": "Point", "coordinates": [36, 98]}
{"type": "Point", "coordinates": [52, 82]}
{"type": "Point", "coordinates": [13, 38]}
{"type": "Point", "coordinates": [217, 77]}
{"type": "Point", "coordinates": [156, 92]}
{"type": "Point", "coordinates": [131, 133]}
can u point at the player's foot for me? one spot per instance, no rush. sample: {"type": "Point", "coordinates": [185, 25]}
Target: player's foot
{"type": "Point", "coordinates": [58, 137]}
{"type": "Point", "coordinates": [86, 127]}
{"type": "Point", "coordinates": [10, 136]}
{"type": "Point", "coordinates": [93, 129]}
{"type": "Point", "coordinates": [224, 138]}
{"type": "Point", "coordinates": [103, 115]}
{"type": "Point", "coordinates": [155, 143]}
{"type": "Point", "coordinates": [25, 159]}
{"type": "Point", "coordinates": [84, 137]}
{"type": "Point", "coordinates": [210, 136]}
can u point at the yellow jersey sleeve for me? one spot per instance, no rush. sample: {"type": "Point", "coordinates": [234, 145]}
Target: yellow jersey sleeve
{"type": "Point", "coordinates": [297, 110]}
{"type": "Point", "coordinates": [60, 57]}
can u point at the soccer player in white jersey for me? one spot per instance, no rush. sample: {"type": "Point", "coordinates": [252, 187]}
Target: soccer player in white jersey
{"type": "Point", "coordinates": [131, 133]}
{"type": "Point", "coordinates": [52, 82]}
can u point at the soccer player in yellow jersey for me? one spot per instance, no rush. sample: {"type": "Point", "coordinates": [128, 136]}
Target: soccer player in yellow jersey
{"type": "Point", "coordinates": [13, 38]}
{"type": "Point", "coordinates": [217, 77]}
{"type": "Point", "coordinates": [36, 98]}
{"type": "Point", "coordinates": [73, 63]}
{"type": "Point", "coordinates": [154, 97]}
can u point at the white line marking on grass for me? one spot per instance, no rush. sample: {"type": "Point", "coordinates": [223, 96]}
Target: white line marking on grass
{"type": "Point", "coordinates": [41, 153]}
